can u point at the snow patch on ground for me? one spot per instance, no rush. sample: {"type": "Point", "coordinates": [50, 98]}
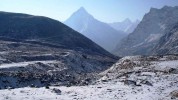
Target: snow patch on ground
{"type": "Point", "coordinates": [20, 64]}
{"type": "Point", "coordinates": [3, 52]}
{"type": "Point", "coordinates": [164, 64]}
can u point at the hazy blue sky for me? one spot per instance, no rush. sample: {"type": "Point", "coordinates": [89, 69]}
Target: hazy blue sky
{"type": "Point", "coordinates": [104, 10]}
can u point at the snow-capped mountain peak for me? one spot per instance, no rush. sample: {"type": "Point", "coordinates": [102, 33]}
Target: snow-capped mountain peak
{"type": "Point", "coordinates": [82, 10]}
{"type": "Point", "coordinates": [80, 13]}
{"type": "Point", "coordinates": [99, 32]}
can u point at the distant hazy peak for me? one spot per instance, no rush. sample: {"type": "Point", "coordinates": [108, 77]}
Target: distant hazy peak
{"type": "Point", "coordinates": [82, 10]}
{"type": "Point", "coordinates": [126, 25]}
{"type": "Point", "coordinates": [127, 20]}
{"type": "Point", "coordinates": [137, 21]}
{"type": "Point", "coordinates": [99, 32]}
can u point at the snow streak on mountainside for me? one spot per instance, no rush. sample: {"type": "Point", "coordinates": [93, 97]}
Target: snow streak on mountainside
{"type": "Point", "coordinates": [99, 32]}
{"type": "Point", "coordinates": [168, 43]}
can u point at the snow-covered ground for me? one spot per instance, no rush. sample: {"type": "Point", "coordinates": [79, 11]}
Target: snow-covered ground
{"type": "Point", "coordinates": [146, 78]}
{"type": "Point", "coordinates": [113, 90]}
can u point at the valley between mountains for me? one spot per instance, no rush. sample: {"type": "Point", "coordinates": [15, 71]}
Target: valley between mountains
{"type": "Point", "coordinates": [44, 59]}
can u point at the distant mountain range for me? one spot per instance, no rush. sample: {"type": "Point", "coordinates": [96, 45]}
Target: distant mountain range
{"type": "Point", "coordinates": [99, 32]}
{"type": "Point", "coordinates": [155, 34]}
{"type": "Point", "coordinates": [45, 30]}
{"type": "Point", "coordinates": [126, 26]}
{"type": "Point", "coordinates": [156, 30]}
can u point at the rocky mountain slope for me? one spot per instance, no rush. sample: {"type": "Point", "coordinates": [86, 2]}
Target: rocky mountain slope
{"type": "Point", "coordinates": [154, 25]}
{"type": "Point", "coordinates": [45, 30]}
{"type": "Point", "coordinates": [126, 26]}
{"type": "Point", "coordinates": [38, 51]}
{"type": "Point", "coordinates": [168, 44]}
{"type": "Point", "coordinates": [30, 64]}
{"type": "Point", "coordinates": [99, 32]}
